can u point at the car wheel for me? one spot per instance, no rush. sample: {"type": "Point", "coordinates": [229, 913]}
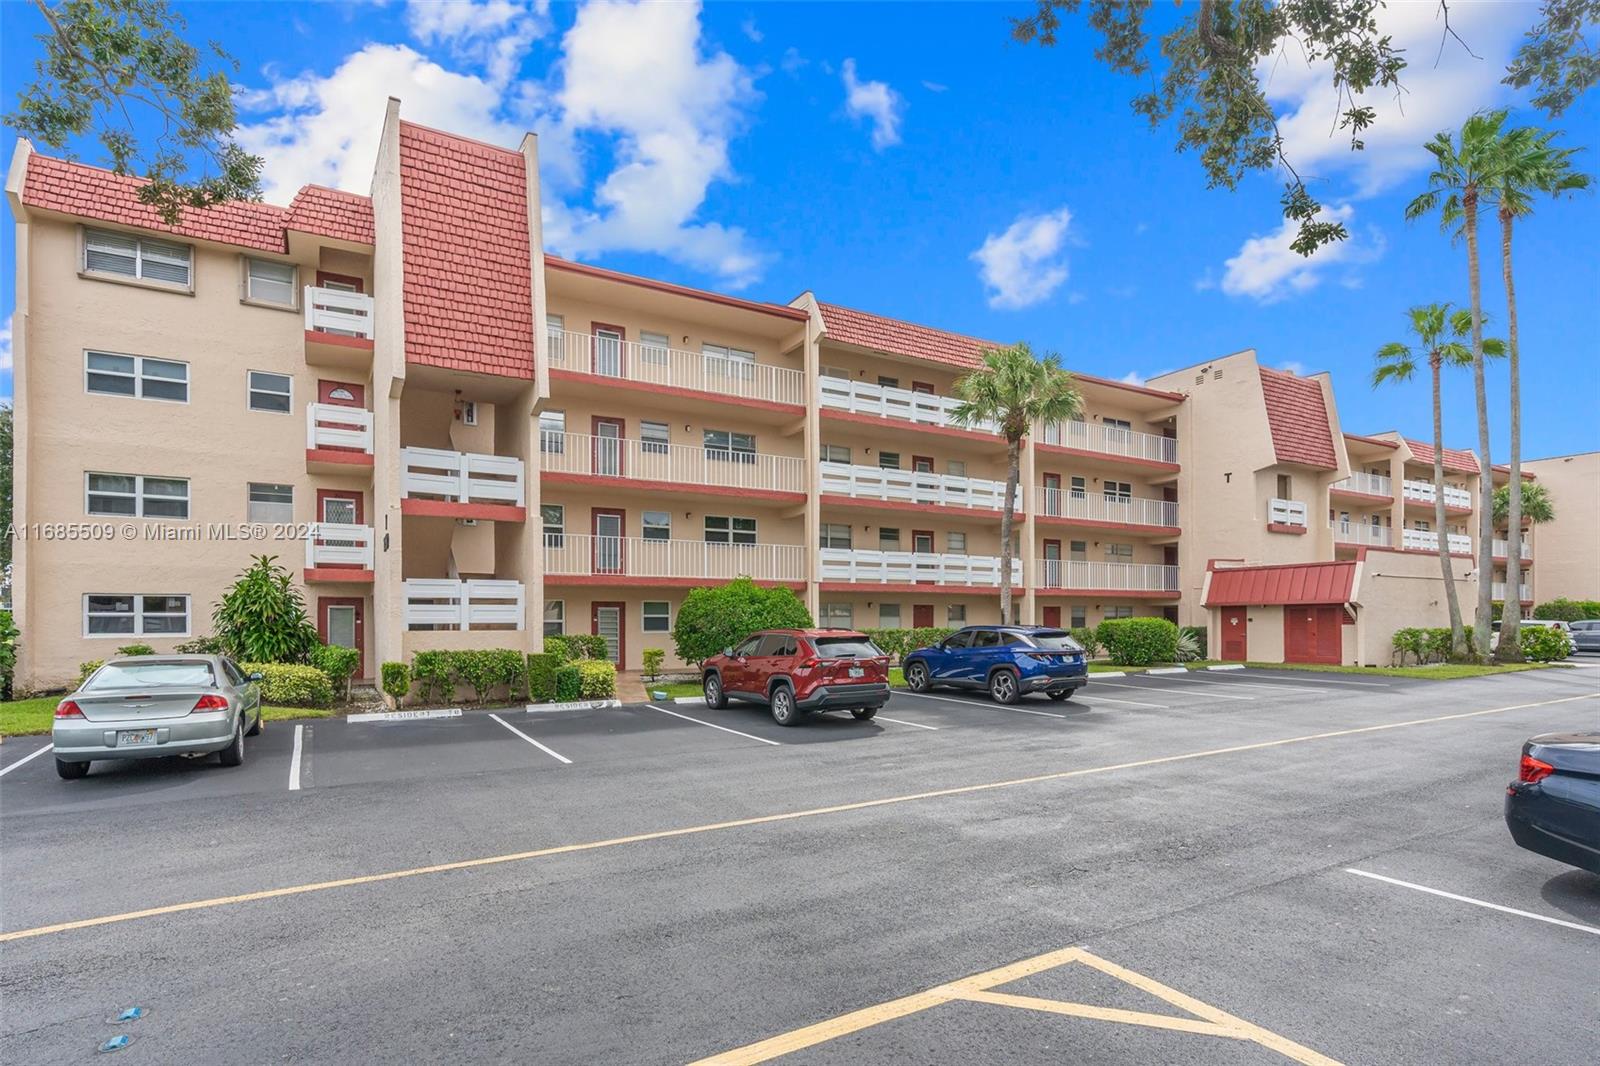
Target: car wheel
{"type": "Point", "coordinates": [784, 711]}
{"type": "Point", "coordinates": [257, 726]}
{"type": "Point", "coordinates": [233, 754]}
{"type": "Point", "coordinates": [917, 677]}
{"type": "Point", "coordinates": [715, 697]}
{"type": "Point", "coordinates": [863, 713]}
{"type": "Point", "coordinates": [1003, 686]}
{"type": "Point", "coordinates": [71, 771]}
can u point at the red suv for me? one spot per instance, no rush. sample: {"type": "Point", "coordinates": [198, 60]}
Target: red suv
{"type": "Point", "coordinates": [796, 671]}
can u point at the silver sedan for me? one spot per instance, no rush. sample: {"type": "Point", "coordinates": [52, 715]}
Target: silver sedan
{"type": "Point", "coordinates": [149, 706]}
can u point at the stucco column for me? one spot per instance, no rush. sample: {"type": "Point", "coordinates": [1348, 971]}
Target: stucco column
{"type": "Point", "coordinates": [1031, 503]}
{"type": "Point", "coordinates": [24, 675]}
{"type": "Point", "coordinates": [386, 627]}
{"type": "Point", "coordinates": [530, 546]}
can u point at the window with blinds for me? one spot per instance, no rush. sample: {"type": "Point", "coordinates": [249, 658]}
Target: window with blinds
{"type": "Point", "coordinates": [121, 255]}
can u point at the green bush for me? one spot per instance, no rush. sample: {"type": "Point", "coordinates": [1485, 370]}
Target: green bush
{"type": "Point", "coordinates": [711, 619]}
{"type": "Point", "coordinates": [486, 669]}
{"type": "Point", "coordinates": [85, 669]}
{"type": "Point", "coordinates": [1409, 641]}
{"type": "Point", "coordinates": [578, 645]}
{"type": "Point", "coordinates": [1200, 638]}
{"type": "Point", "coordinates": [435, 680]}
{"type": "Point", "coordinates": [8, 653]}
{"type": "Point", "coordinates": [897, 643]}
{"type": "Point", "coordinates": [653, 658]}
{"type": "Point", "coordinates": [1139, 641]}
{"type": "Point", "coordinates": [542, 675]}
{"type": "Point", "coordinates": [568, 683]}
{"type": "Point", "coordinates": [291, 684]}
{"type": "Point", "coordinates": [1188, 647]}
{"type": "Point", "coordinates": [1562, 609]}
{"type": "Point", "coordinates": [136, 649]}
{"type": "Point", "coordinates": [1086, 636]}
{"type": "Point", "coordinates": [1436, 644]}
{"type": "Point", "coordinates": [337, 664]}
{"type": "Point", "coordinates": [262, 617]}
{"type": "Point", "coordinates": [396, 680]}
{"type": "Point", "coordinates": [597, 679]}
{"type": "Point", "coordinates": [201, 646]}
{"type": "Point", "coordinates": [1544, 644]}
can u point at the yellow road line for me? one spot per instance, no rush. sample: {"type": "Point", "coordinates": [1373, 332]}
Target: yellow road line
{"type": "Point", "coordinates": [739, 823]}
{"type": "Point", "coordinates": [1105, 1014]}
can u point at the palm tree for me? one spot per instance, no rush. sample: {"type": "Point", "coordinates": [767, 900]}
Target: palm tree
{"type": "Point", "coordinates": [1462, 167]}
{"type": "Point", "coordinates": [1014, 390]}
{"type": "Point", "coordinates": [1526, 162]}
{"type": "Point", "coordinates": [1439, 332]}
{"type": "Point", "coordinates": [1537, 506]}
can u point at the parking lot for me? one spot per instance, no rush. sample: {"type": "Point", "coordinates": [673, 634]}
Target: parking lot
{"type": "Point", "coordinates": [1230, 867]}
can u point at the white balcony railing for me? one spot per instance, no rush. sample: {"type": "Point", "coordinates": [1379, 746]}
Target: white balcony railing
{"type": "Point", "coordinates": [1111, 577]}
{"type": "Point", "coordinates": [1422, 492]}
{"type": "Point", "coordinates": [1497, 590]}
{"type": "Point", "coordinates": [603, 457]}
{"type": "Point", "coordinates": [461, 477]}
{"type": "Point", "coordinates": [885, 401]}
{"type": "Point", "coordinates": [336, 311]}
{"type": "Point", "coordinates": [1098, 507]}
{"type": "Point", "coordinates": [331, 425]}
{"type": "Point", "coordinates": [909, 486]}
{"type": "Point", "coordinates": [1364, 533]}
{"type": "Point", "coordinates": [1286, 512]}
{"type": "Point", "coordinates": [1428, 540]}
{"type": "Point", "coordinates": [1110, 440]}
{"type": "Point", "coordinates": [446, 603]}
{"type": "Point", "coordinates": [910, 568]}
{"type": "Point", "coordinates": [1502, 548]}
{"type": "Point", "coordinates": [584, 554]}
{"type": "Point", "coordinates": [1371, 484]}
{"type": "Point", "coordinates": [658, 365]}
{"type": "Point", "coordinates": [337, 544]}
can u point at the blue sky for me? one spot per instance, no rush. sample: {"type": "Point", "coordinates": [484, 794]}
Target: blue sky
{"type": "Point", "coordinates": [910, 160]}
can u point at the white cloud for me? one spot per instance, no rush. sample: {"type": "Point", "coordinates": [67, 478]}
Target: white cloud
{"type": "Point", "coordinates": [1024, 265]}
{"type": "Point", "coordinates": [934, 87]}
{"type": "Point", "coordinates": [792, 62]}
{"type": "Point", "coordinates": [1440, 89]}
{"type": "Point", "coordinates": [1267, 269]}
{"type": "Point", "coordinates": [749, 28]}
{"type": "Point", "coordinates": [1076, 298]}
{"type": "Point", "coordinates": [875, 102]}
{"type": "Point", "coordinates": [5, 347]}
{"type": "Point", "coordinates": [1133, 377]}
{"type": "Point", "coordinates": [1295, 367]}
{"type": "Point", "coordinates": [495, 34]}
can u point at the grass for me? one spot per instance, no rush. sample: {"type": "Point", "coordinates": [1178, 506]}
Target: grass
{"type": "Point", "coordinates": [1431, 672]}
{"type": "Point", "coordinates": [25, 718]}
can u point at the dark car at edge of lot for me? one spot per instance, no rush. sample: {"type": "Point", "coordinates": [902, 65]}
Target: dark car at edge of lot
{"type": "Point", "coordinates": [799, 671]}
{"type": "Point", "coordinates": [1008, 661]}
{"type": "Point", "coordinates": [1553, 807]}
{"type": "Point", "coordinates": [1585, 635]}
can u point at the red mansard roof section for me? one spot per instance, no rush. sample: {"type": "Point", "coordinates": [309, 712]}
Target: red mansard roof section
{"type": "Point", "coordinates": [1254, 586]}
{"type": "Point", "coordinates": [468, 291]}
{"type": "Point", "coordinates": [1461, 462]}
{"type": "Point", "coordinates": [1298, 419]}
{"type": "Point", "coordinates": [344, 216]}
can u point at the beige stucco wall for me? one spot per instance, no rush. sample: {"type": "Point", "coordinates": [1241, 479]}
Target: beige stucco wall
{"type": "Point", "coordinates": [1397, 590]}
{"type": "Point", "coordinates": [1566, 552]}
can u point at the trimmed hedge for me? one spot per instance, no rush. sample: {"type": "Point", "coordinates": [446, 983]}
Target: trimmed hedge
{"type": "Point", "coordinates": [1086, 636]}
{"type": "Point", "coordinates": [483, 670]}
{"type": "Point", "coordinates": [337, 664]}
{"type": "Point", "coordinates": [1562, 609]}
{"type": "Point", "coordinates": [136, 649]}
{"type": "Point", "coordinates": [653, 658]}
{"type": "Point", "coordinates": [8, 652]}
{"type": "Point", "coordinates": [87, 668]}
{"type": "Point", "coordinates": [542, 675]}
{"type": "Point", "coordinates": [1139, 641]}
{"type": "Point", "coordinates": [577, 645]}
{"type": "Point", "coordinates": [1544, 644]}
{"type": "Point", "coordinates": [396, 680]}
{"type": "Point", "coordinates": [900, 642]}
{"type": "Point", "coordinates": [568, 683]}
{"type": "Point", "coordinates": [710, 619]}
{"type": "Point", "coordinates": [292, 685]}
{"type": "Point", "coordinates": [432, 671]}
{"type": "Point", "coordinates": [1430, 645]}
{"type": "Point", "coordinates": [597, 679]}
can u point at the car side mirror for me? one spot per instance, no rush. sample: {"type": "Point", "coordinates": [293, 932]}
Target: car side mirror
{"type": "Point", "coordinates": [728, 651]}
{"type": "Point", "coordinates": [257, 676]}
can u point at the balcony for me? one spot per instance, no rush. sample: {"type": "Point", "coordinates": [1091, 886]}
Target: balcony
{"type": "Point", "coordinates": [902, 405]}
{"type": "Point", "coordinates": [1110, 440]}
{"type": "Point", "coordinates": [673, 467]}
{"type": "Point", "coordinates": [1422, 492]}
{"type": "Point", "coordinates": [1367, 485]}
{"type": "Point", "coordinates": [461, 485]}
{"type": "Point", "coordinates": [338, 552]}
{"type": "Point", "coordinates": [1362, 534]}
{"type": "Point", "coordinates": [913, 487]}
{"type": "Point", "coordinates": [672, 368]}
{"type": "Point", "coordinates": [337, 438]}
{"type": "Point", "coordinates": [450, 604]}
{"type": "Point", "coordinates": [1502, 549]}
{"type": "Point", "coordinates": [1078, 506]}
{"type": "Point", "coordinates": [860, 566]}
{"type": "Point", "coordinates": [339, 327]}
{"type": "Point", "coordinates": [1428, 540]}
{"type": "Point", "coordinates": [1081, 575]}
{"type": "Point", "coordinates": [619, 560]}
{"type": "Point", "coordinates": [1286, 516]}
{"type": "Point", "coordinates": [1497, 591]}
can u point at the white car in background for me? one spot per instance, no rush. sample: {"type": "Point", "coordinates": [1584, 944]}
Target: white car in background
{"type": "Point", "coordinates": [1543, 623]}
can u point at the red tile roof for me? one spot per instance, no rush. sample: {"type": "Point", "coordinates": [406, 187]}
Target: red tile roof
{"type": "Point", "coordinates": [90, 192]}
{"type": "Point", "coordinates": [1252, 586]}
{"type": "Point", "coordinates": [779, 310]}
{"type": "Point", "coordinates": [464, 220]}
{"type": "Point", "coordinates": [1461, 462]}
{"type": "Point", "coordinates": [1372, 440]}
{"type": "Point", "coordinates": [1298, 419]}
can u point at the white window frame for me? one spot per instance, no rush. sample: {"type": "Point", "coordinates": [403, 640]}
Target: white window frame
{"type": "Point", "coordinates": [1118, 611]}
{"type": "Point", "coordinates": [730, 530]}
{"type": "Point", "coordinates": [723, 361]}
{"type": "Point", "coordinates": [1078, 616]}
{"type": "Point", "coordinates": [138, 376]}
{"type": "Point", "coordinates": [956, 467]}
{"type": "Point", "coordinates": [469, 412]}
{"type": "Point", "coordinates": [250, 502]}
{"type": "Point", "coordinates": [885, 542]}
{"type": "Point", "coordinates": [956, 614]}
{"type": "Point", "coordinates": [1119, 552]}
{"type": "Point", "coordinates": [955, 542]}
{"type": "Point", "coordinates": [825, 533]}
{"type": "Point", "coordinates": [884, 457]}
{"type": "Point", "coordinates": [556, 538]}
{"type": "Point", "coordinates": [137, 495]}
{"type": "Point", "coordinates": [654, 348]}
{"type": "Point", "coordinates": [561, 622]}
{"type": "Point", "coordinates": [138, 614]}
{"type": "Point", "coordinates": [645, 616]}
{"type": "Point", "coordinates": [728, 453]}
{"type": "Point", "coordinates": [142, 246]}
{"type": "Point", "coordinates": [883, 621]}
{"type": "Point", "coordinates": [831, 453]}
{"type": "Point", "coordinates": [660, 443]}
{"type": "Point", "coordinates": [827, 611]}
{"type": "Point", "coordinates": [553, 441]}
{"type": "Point", "coordinates": [249, 295]}
{"type": "Point", "coordinates": [250, 391]}
{"type": "Point", "coordinates": [645, 525]}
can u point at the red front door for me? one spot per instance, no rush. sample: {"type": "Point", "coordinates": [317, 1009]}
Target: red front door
{"type": "Point", "coordinates": [340, 622]}
{"type": "Point", "coordinates": [1235, 626]}
{"type": "Point", "coordinates": [1312, 634]}
{"type": "Point", "coordinates": [922, 615]}
{"type": "Point", "coordinates": [1052, 616]}
{"type": "Point", "coordinates": [1052, 494]}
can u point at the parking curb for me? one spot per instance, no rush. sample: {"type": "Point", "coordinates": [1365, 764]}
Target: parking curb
{"type": "Point", "coordinates": [405, 716]}
{"type": "Point", "coordinates": [573, 705]}
{"type": "Point", "coordinates": [1108, 673]}
{"type": "Point", "coordinates": [1168, 670]}
{"type": "Point", "coordinates": [1227, 666]}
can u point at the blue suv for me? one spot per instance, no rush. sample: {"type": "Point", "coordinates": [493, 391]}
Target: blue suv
{"type": "Point", "coordinates": [1009, 661]}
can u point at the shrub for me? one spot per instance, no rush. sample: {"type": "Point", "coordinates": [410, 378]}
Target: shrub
{"type": "Point", "coordinates": [1409, 641]}
{"type": "Point", "coordinates": [85, 669]}
{"type": "Point", "coordinates": [1200, 638]}
{"type": "Point", "coordinates": [542, 675]}
{"type": "Point", "coordinates": [1086, 636]}
{"type": "Point", "coordinates": [435, 681]}
{"type": "Point", "coordinates": [711, 619]}
{"type": "Point", "coordinates": [337, 664]}
{"type": "Point", "coordinates": [1139, 641]}
{"type": "Point", "coordinates": [292, 684]}
{"type": "Point", "coordinates": [262, 617]}
{"type": "Point", "coordinates": [1544, 644]}
{"type": "Point", "coordinates": [136, 649]}
{"type": "Point", "coordinates": [201, 646]}
{"type": "Point", "coordinates": [396, 680]}
{"type": "Point", "coordinates": [8, 653]}
{"type": "Point", "coordinates": [1188, 646]}
{"type": "Point", "coordinates": [1562, 609]}
{"type": "Point", "coordinates": [568, 683]}
{"type": "Point", "coordinates": [1436, 644]}
{"type": "Point", "coordinates": [653, 658]}
{"type": "Point", "coordinates": [597, 679]}
{"type": "Point", "coordinates": [486, 669]}
{"type": "Point", "coordinates": [897, 643]}
{"type": "Point", "coordinates": [578, 645]}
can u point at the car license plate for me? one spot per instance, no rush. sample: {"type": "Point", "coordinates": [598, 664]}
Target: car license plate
{"type": "Point", "coordinates": [856, 671]}
{"type": "Point", "coordinates": [133, 737]}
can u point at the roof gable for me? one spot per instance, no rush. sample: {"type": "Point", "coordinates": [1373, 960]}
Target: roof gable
{"type": "Point", "coordinates": [1298, 417]}
{"type": "Point", "coordinates": [1455, 459]}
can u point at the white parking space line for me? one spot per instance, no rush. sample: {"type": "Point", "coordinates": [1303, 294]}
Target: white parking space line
{"type": "Point", "coordinates": [1131, 703]}
{"type": "Point", "coordinates": [975, 703]}
{"type": "Point", "coordinates": [901, 721]}
{"type": "Point", "coordinates": [714, 725]}
{"type": "Point", "coordinates": [1476, 902]}
{"type": "Point", "coordinates": [1241, 684]}
{"type": "Point", "coordinates": [556, 755]}
{"type": "Point", "coordinates": [1148, 688]}
{"type": "Point", "coordinates": [294, 758]}
{"type": "Point", "coordinates": [1326, 681]}
{"type": "Point", "coordinates": [26, 758]}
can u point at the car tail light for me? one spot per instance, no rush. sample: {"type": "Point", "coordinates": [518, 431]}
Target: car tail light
{"type": "Point", "coordinates": [808, 664]}
{"type": "Point", "coordinates": [1532, 771]}
{"type": "Point", "coordinates": [68, 709]}
{"type": "Point", "coordinates": [211, 703]}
